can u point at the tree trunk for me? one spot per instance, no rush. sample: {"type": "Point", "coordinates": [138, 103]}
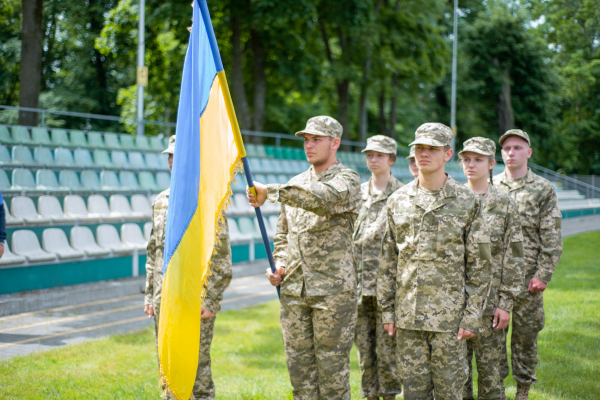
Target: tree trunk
{"type": "Point", "coordinates": [31, 60]}
{"type": "Point", "coordinates": [382, 121]}
{"type": "Point", "coordinates": [237, 76]}
{"type": "Point", "coordinates": [343, 91]}
{"type": "Point", "coordinates": [506, 118]}
{"type": "Point", "coordinates": [260, 84]}
{"type": "Point", "coordinates": [362, 104]}
{"type": "Point", "coordinates": [391, 132]}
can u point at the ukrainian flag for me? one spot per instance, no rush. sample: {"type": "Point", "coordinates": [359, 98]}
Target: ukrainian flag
{"type": "Point", "coordinates": [206, 157]}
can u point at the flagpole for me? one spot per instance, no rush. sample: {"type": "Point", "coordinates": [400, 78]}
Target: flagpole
{"type": "Point", "coordinates": [237, 135]}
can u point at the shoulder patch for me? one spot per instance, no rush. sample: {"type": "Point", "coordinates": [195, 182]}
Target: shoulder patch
{"type": "Point", "coordinates": [338, 185]}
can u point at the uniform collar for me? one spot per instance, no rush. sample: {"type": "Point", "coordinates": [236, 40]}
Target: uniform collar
{"type": "Point", "coordinates": [332, 169]}
{"type": "Point", "coordinates": [447, 191]}
{"type": "Point", "coordinates": [514, 184]}
{"type": "Point", "coordinates": [392, 186]}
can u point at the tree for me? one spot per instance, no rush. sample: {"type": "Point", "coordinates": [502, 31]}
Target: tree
{"type": "Point", "coordinates": [31, 60]}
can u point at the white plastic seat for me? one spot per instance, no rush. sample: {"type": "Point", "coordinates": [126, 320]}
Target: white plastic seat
{"type": "Point", "coordinates": [120, 205]}
{"type": "Point", "coordinates": [55, 240]}
{"type": "Point", "coordinates": [235, 236]}
{"type": "Point", "coordinates": [10, 219]}
{"type": "Point", "coordinates": [82, 239]}
{"type": "Point", "coordinates": [10, 258]}
{"type": "Point", "coordinates": [151, 198]}
{"type": "Point", "coordinates": [75, 207]}
{"type": "Point", "coordinates": [140, 204]}
{"type": "Point", "coordinates": [108, 237]}
{"type": "Point", "coordinates": [98, 205]}
{"type": "Point", "coordinates": [25, 243]}
{"type": "Point", "coordinates": [23, 207]}
{"type": "Point", "coordinates": [242, 205]}
{"type": "Point", "coordinates": [131, 235]}
{"type": "Point", "coordinates": [49, 207]}
{"type": "Point", "coordinates": [147, 231]}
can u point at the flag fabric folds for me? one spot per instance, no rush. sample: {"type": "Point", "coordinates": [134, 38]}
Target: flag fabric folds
{"type": "Point", "coordinates": [205, 159]}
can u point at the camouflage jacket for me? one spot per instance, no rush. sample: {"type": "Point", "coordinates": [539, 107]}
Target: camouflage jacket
{"type": "Point", "coordinates": [540, 220]}
{"type": "Point", "coordinates": [435, 270]}
{"type": "Point", "coordinates": [314, 231]}
{"type": "Point", "coordinates": [220, 262]}
{"type": "Point", "coordinates": [368, 232]}
{"type": "Point", "coordinates": [504, 225]}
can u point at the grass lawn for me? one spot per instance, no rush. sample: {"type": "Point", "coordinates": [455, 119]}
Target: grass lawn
{"type": "Point", "coordinates": [249, 360]}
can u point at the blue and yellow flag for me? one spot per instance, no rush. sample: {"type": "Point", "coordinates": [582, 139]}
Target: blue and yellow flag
{"type": "Point", "coordinates": [206, 157]}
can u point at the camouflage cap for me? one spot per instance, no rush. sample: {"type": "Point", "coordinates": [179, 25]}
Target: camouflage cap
{"type": "Point", "coordinates": [412, 153]}
{"type": "Point", "coordinates": [433, 134]}
{"type": "Point", "coordinates": [171, 148]}
{"type": "Point", "coordinates": [479, 145]}
{"type": "Point", "coordinates": [322, 126]}
{"type": "Point", "coordinates": [515, 132]}
{"type": "Point", "coordinates": [381, 144]}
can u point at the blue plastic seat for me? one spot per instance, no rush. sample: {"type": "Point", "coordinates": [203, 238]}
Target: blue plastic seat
{"type": "Point", "coordinates": [77, 139]}
{"type": "Point", "coordinates": [22, 155]}
{"type": "Point", "coordinates": [20, 134]}
{"type": "Point", "coordinates": [152, 161]}
{"type": "Point", "coordinates": [141, 143]}
{"type": "Point", "coordinates": [136, 160]}
{"type": "Point", "coordinates": [90, 180]}
{"type": "Point", "coordinates": [127, 142]}
{"type": "Point", "coordinates": [69, 179]}
{"type": "Point", "coordinates": [40, 136]}
{"type": "Point", "coordinates": [109, 179]}
{"type": "Point", "coordinates": [95, 140]}
{"type": "Point", "coordinates": [83, 158]}
{"type": "Point", "coordinates": [102, 159]}
{"type": "Point", "coordinates": [5, 137]}
{"type": "Point", "coordinates": [156, 143]}
{"type": "Point", "coordinates": [119, 159]}
{"type": "Point", "coordinates": [43, 156]}
{"type": "Point", "coordinates": [23, 178]}
{"type": "Point", "coordinates": [4, 155]}
{"type": "Point", "coordinates": [112, 141]}
{"type": "Point", "coordinates": [163, 180]}
{"type": "Point", "coordinates": [64, 156]}
{"type": "Point", "coordinates": [59, 138]}
{"type": "Point", "coordinates": [46, 180]}
{"type": "Point", "coordinates": [128, 180]}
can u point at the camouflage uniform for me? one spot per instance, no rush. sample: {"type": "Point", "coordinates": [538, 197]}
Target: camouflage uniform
{"type": "Point", "coordinates": [542, 247]}
{"type": "Point", "coordinates": [376, 349]}
{"type": "Point", "coordinates": [318, 292]}
{"type": "Point", "coordinates": [503, 223]}
{"type": "Point", "coordinates": [433, 278]}
{"type": "Point", "coordinates": [217, 282]}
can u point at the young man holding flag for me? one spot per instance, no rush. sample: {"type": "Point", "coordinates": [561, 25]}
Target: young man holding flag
{"type": "Point", "coordinates": [314, 258]}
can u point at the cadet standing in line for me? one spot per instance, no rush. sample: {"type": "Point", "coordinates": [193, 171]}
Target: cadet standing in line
{"type": "Point", "coordinates": [435, 272]}
{"type": "Point", "coordinates": [412, 165]}
{"type": "Point", "coordinates": [221, 273]}
{"type": "Point", "coordinates": [315, 264]}
{"type": "Point", "coordinates": [541, 222]}
{"type": "Point", "coordinates": [376, 349]}
{"type": "Point", "coordinates": [504, 225]}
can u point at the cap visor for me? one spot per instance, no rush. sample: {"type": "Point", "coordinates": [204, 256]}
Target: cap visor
{"type": "Point", "coordinates": [505, 136]}
{"type": "Point", "coordinates": [316, 133]}
{"type": "Point", "coordinates": [168, 151]}
{"type": "Point", "coordinates": [377, 149]}
{"type": "Point", "coordinates": [474, 150]}
{"type": "Point", "coordinates": [428, 142]}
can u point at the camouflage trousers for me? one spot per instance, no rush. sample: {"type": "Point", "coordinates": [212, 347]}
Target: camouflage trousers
{"type": "Point", "coordinates": [528, 320]}
{"type": "Point", "coordinates": [317, 333]}
{"type": "Point", "coordinates": [487, 346]}
{"type": "Point", "coordinates": [429, 361]}
{"type": "Point", "coordinates": [376, 352]}
{"type": "Point", "coordinates": [204, 388]}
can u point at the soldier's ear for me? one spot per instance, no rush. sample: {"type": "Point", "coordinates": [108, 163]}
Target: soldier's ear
{"type": "Point", "coordinates": [448, 155]}
{"type": "Point", "coordinates": [336, 143]}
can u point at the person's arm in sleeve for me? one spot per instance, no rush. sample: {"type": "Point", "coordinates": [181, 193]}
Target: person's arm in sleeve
{"type": "Point", "coordinates": [550, 238]}
{"type": "Point", "coordinates": [477, 270]}
{"type": "Point", "coordinates": [280, 241]}
{"type": "Point", "coordinates": [150, 265]}
{"type": "Point", "coordinates": [221, 270]}
{"type": "Point", "coordinates": [337, 196]}
{"type": "Point", "coordinates": [386, 275]}
{"type": "Point", "coordinates": [513, 267]}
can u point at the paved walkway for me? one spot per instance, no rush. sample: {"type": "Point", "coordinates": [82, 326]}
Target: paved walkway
{"type": "Point", "coordinates": [34, 331]}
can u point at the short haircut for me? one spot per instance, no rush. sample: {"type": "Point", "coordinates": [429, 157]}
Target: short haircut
{"type": "Point", "coordinates": [446, 148]}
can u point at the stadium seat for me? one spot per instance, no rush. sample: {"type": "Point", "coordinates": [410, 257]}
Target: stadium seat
{"type": "Point", "coordinates": [166, 142]}
{"type": "Point", "coordinates": [140, 204]}
{"type": "Point", "coordinates": [260, 178]}
{"type": "Point", "coordinates": [55, 240]}
{"type": "Point", "coordinates": [119, 159]}
{"type": "Point", "coordinates": [77, 139]}
{"type": "Point", "coordinates": [75, 207]}
{"type": "Point", "coordinates": [241, 204]}
{"type": "Point", "coordinates": [272, 179]}
{"type": "Point", "coordinates": [120, 205]}
{"type": "Point", "coordinates": [4, 182]}
{"type": "Point", "coordinates": [163, 180]}
{"type": "Point", "coordinates": [23, 179]}
{"type": "Point", "coordinates": [255, 166]}
{"type": "Point", "coordinates": [25, 243]}
{"type": "Point", "coordinates": [131, 235]}
{"type": "Point", "coordinates": [152, 161]}
{"type": "Point", "coordinates": [127, 142]}
{"type": "Point", "coordinates": [43, 156]}
{"type": "Point", "coordinates": [268, 228]}
{"type": "Point", "coordinates": [156, 143]}
{"type": "Point", "coordinates": [141, 143]}
{"type": "Point", "coordinates": [235, 235]}
{"type": "Point", "coordinates": [110, 180]}
{"type": "Point", "coordinates": [5, 137]}
{"type": "Point", "coordinates": [111, 141]}
{"type": "Point", "coordinates": [239, 186]}
{"type": "Point", "coordinates": [251, 150]}
{"type": "Point", "coordinates": [5, 156]}
{"type": "Point", "coordinates": [90, 180]}
{"type": "Point", "coordinates": [98, 205]}
{"type": "Point", "coordinates": [64, 157]}
{"type": "Point", "coordinates": [20, 135]}
{"type": "Point", "coordinates": [49, 207]}
{"type": "Point", "coordinates": [128, 180]}
{"type": "Point", "coordinates": [22, 155]}
{"type": "Point", "coordinates": [164, 161]}
{"type": "Point", "coordinates": [10, 258]}
{"type": "Point", "coordinates": [260, 151]}
{"type": "Point", "coordinates": [247, 227]}
{"type": "Point", "coordinates": [282, 179]}
{"type": "Point", "coordinates": [23, 207]}
{"type": "Point", "coordinates": [83, 158]}
{"type": "Point", "coordinates": [108, 237]}
{"type": "Point", "coordinates": [152, 197]}
{"type": "Point", "coordinates": [69, 179]}
{"type": "Point", "coordinates": [82, 239]}
{"type": "Point", "coordinates": [95, 140]}
{"type": "Point", "coordinates": [10, 219]}
{"type": "Point", "coordinates": [136, 160]}
{"type": "Point", "coordinates": [147, 181]}
{"type": "Point", "coordinates": [40, 136]}
{"type": "Point", "coordinates": [59, 138]}
{"type": "Point", "coordinates": [46, 180]}
{"type": "Point", "coordinates": [102, 159]}
{"type": "Point", "coordinates": [147, 231]}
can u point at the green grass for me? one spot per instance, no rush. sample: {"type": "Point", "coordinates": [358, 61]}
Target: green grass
{"type": "Point", "coordinates": [249, 360]}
